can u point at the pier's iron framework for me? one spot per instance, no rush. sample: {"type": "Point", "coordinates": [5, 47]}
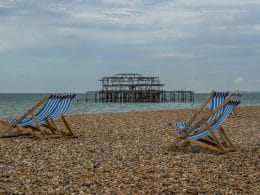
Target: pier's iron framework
{"type": "Point", "coordinates": [130, 88]}
{"type": "Point", "coordinates": [137, 88]}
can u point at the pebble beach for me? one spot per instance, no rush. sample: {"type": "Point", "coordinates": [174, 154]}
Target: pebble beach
{"type": "Point", "coordinates": [132, 153]}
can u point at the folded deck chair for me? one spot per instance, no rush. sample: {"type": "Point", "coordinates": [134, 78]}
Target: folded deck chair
{"type": "Point", "coordinates": [39, 116]}
{"type": "Point", "coordinates": [207, 130]}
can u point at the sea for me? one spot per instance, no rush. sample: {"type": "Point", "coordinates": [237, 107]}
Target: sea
{"type": "Point", "coordinates": [12, 105]}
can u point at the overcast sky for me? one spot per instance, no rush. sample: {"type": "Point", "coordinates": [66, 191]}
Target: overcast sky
{"type": "Point", "coordinates": [68, 45]}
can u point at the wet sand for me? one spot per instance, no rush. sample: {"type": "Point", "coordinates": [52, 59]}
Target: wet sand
{"type": "Point", "coordinates": [132, 153]}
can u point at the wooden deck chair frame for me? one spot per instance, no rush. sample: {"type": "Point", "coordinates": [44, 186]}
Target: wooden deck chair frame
{"type": "Point", "coordinates": [53, 127]}
{"type": "Point", "coordinates": [213, 143]}
{"type": "Point", "coordinates": [38, 131]}
{"type": "Point", "coordinates": [55, 131]}
{"type": "Point", "coordinates": [194, 116]}
{"type": "Point", "coordinates": [204, 104]}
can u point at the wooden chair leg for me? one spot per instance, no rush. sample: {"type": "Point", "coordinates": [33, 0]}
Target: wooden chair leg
{"type": "Point", "coordinates": [215, 138]}
{"type": "Point", "coordinates": [19, 131]}
{"type": "Point", "coordinates": [67, 125]}
{"type": "Point", "coordinates": [50, 126]}
{"type": "Point", "coordinates": [177, 141]}
{"type": "Point", "coordinates": [38, 126]}
{"type": "Point", "coordinates": [12, 130]}
{"type": "Point", "coordinates": [217, 141]}
{"type": "Point", "coordinates": [204, 145]}
{"type": "Point", "coordinates": [226, 137]}
{"type": "Point", "coordinates": [209, 139]}
{"type": "Point", "coordinates": [8, 128]}
{"type": "Point", "coordinates": [184, 144]}
{"type": "Point", "coordinates": [54, 125]}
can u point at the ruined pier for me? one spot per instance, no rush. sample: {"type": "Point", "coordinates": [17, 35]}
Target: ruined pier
{"type": "Point", "coordinates": [137, 88]}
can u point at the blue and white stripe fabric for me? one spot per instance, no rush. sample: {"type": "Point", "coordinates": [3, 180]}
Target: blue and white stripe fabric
{"type": "Point", "coordinates": [217, 99]}
{"type": "Point", "coordinates": [63, 106]}
{"type": "Point", "coordinates": [45, 109]}
{"type": "Point", "coordinates": [54, 107]}
{"type": "Point", "coordinates": [227, 109]}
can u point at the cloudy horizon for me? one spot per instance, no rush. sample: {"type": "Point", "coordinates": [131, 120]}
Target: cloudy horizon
{"type": "Point", "coordinates": [63, 45]}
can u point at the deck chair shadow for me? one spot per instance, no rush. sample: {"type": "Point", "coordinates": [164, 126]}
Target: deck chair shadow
{"type": "Point", "coordinates": [206, 130]}
{"type": "Point", "coordinates": [40, 117]}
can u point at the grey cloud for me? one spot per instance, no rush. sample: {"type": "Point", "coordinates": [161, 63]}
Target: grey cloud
{"type": "Point", "coordinates": [198, 37]}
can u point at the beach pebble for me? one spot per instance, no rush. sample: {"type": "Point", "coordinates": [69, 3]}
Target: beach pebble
{"type": "Point", "coordinates": [132, 153]}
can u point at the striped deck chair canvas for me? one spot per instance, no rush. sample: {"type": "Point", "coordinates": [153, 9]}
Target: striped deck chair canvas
{"type": "Point", "coordinates": [41, 115]}
{"type": "Point", "coordinates": [215, 99]}
{"type": "Point", "coordinates": [203, 131]}
{"type": "Point", "coordinates": [61, 109]}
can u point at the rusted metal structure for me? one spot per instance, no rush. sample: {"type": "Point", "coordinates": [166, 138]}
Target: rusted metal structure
{"type": "Point", "coordinates": [137, 88]}
{"type": "Point", "coordinates": [130, 88]}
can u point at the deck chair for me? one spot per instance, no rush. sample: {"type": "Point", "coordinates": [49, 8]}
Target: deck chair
{"type": "Point", "coordinates": [215, 99]}
{"type": "Point", "coordinates": [41, 115]}
{"type": "Point", "coordinates": [59, 112]}
{"type": "Point", "coordinates": [207, 130]}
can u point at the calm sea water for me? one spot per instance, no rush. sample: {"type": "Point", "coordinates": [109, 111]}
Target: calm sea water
{"type": "Point", "coordinates": [17, 104]}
